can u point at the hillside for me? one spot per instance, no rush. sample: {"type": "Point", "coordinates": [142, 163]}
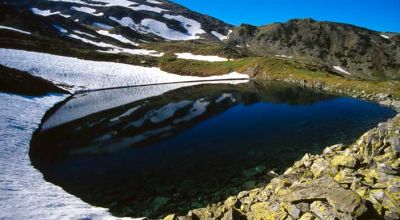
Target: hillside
{"type": "Point", "coordinates": [349, 50]}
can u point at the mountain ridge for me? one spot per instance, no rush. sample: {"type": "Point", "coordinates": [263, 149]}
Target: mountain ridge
{"type": "Point", "coordinates": [155, 27]}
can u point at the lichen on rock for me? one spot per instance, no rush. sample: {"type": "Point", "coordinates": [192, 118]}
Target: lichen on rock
{"type": "Point", "coordinates": [361, 180]}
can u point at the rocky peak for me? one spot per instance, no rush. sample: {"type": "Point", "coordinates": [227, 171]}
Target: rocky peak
{"type": "Point", "coordinates": [349, 50]}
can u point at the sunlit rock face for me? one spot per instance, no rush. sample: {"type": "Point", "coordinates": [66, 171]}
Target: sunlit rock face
{"type": "Point", "coordinates": [190, 146]}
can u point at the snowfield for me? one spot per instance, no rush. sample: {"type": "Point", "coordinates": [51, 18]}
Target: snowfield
{"type": "Point", "coordinates": [86, 74]}
{"type": "Point", "coordinates": [24, 194]}
{"type": "Point", "coordinates": [189, 56]}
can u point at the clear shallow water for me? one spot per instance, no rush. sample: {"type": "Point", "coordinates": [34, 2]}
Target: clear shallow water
{"type": "Point", "coordinates": [192, 146]}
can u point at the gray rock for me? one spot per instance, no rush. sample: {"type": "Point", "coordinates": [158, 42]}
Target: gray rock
{"type": "Point", "coordinates": [347, 201]}
{"type": "Point", "coordinates": [303, 206]}
{"type": "Point", "coordinates": [395, 144]}
{"type": "Point", "coordinates": [293, 211]}
{"type": "Point", "coordinates": [324, 211]}
{"type": "Point", "coordinates": [359, 51]}
{"type": "Point", "coordinates": [233, 214]}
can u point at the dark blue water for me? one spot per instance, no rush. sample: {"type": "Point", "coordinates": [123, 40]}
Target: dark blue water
{"type": "Point", "coordinates": [218, 141]}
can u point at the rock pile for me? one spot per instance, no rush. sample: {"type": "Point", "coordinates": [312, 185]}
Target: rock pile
{"type": "Point", "coordinates": [360, 181]}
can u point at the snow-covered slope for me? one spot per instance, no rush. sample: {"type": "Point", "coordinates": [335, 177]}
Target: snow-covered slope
{"type": "Point", "coordinates": [160, 20]}
{"type": "Point", "coordinates": [24, 194]}
{"type": "Point", "coordinates": [85, 74]}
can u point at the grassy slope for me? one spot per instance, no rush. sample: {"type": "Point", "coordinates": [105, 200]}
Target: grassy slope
{"type": "Point", "coordinates": [271, 68]}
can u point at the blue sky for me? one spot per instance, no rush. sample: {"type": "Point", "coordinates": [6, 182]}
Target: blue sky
{"type": "Point", "coordinates": [381, 15]}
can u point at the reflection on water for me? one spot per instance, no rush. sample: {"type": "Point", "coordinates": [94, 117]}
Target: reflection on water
{"type": "Point", "coordinates": [190, 146]}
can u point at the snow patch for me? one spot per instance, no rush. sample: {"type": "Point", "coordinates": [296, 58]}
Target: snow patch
{"type": "Point", "coordinates": [340, 69]}
{"type": "Point", "coordinates": [44, 13]}
{"type": "Point", "coordinates": [189, 56]}
{"type": "Point", "coordinates": [14, 29]}
{"type": "Point", "coordinates": [117, 37]}
{"type": "Point", "coordinates": [86, 74]}
{"type": "Point", "coordinates": [125, 21]}
{"type": "Point", "coordinates": [98, 44]}
{"type": "Point", "coordinates": [385, 36]}
{"type": "Point", "coordinates": [154, 2]}
{"type": "Point", "coordinates": [87, 10]}
{"type": "Point", "coordinates": [64, 15]}
{"type": "Point", "coordinates": [193, 27]}
{"type": "Point", "coordinates": [115, 50]}
{"type": "Point", "coordinates": [83, 33]}
{"type": "Point", "coordinates": [142, 52]}
{"type": "Point", "coordinates": [148, 8]}
{"type": "Point", "coordinates": [284, 56]}
{"type": "Point", "coordinates": [158, 28]}
{"type": "Point", "coordinates": [221, 37]}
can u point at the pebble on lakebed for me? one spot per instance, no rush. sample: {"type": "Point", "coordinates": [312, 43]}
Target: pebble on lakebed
{"type": "Point", "coordinates": [360, 181]}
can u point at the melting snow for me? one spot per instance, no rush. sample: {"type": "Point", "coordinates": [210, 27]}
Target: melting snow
{"type": "Point", "coordinates": [117, 37]}
{"type": "Point", "coordinates": [284, 56]}
{"type": "Point", "coordinates": [144, 52]}
{"type": "Point", "coordinates": [64, 15]}
{"type": "Point", "coordinates": [24, 194]}
{"type": "Point", "coordinates": [122, 3]}
{"type": "Point", "coordinates": [86, 10]}
{"type": "Point", "coordinates": [158, 28]}
{"type": "Point", "coordinates": [190, 56]}
{"type": "Point", "coordinates": [385, 36]}
{"type": "Point", "coordinates": [43, 12]}
{"type": "Point", "coordinates": [125, 21]}
{"type": "Point", "coordinates": [93, 74]}
{"type": "Point", "coordinates": [340, 69]}
{"type": "Point", "coordinates": [219, 36]}
{"type": "Point", "coordinates": [115, 50]}
{"type": "Point", "coordinates": [99, 44]}
{"type": "Point", "coordinates": [154, 2]}
{"type": "Point", "coordinates": [14, 29]}
{"type": "Point", "coordinates": [161, 29]}
{"type": "Point", "coordinates": [148, 8]}
{"type": "Point", "coordinates": [83, 33]}
{"type": "Point", "coordinates": [193, 27]}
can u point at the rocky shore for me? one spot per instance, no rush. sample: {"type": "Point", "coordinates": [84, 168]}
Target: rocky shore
{"type": "Point", "coordinates": [359, 181]}
{"type": "Point", "coordinates": [385, 99]}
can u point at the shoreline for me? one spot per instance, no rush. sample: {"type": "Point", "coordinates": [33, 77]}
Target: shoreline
{"type": "Point", "coordinates": [361, 180]}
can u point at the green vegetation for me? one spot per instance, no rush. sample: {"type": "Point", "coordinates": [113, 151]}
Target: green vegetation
{"type": "Point", "coordinates": [199, 47]}
{"type": "Point", "coordinates": [289, 70]}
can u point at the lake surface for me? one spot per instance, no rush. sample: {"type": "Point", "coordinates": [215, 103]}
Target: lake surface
{"type": "Point", "coordinates": [190, 146]}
